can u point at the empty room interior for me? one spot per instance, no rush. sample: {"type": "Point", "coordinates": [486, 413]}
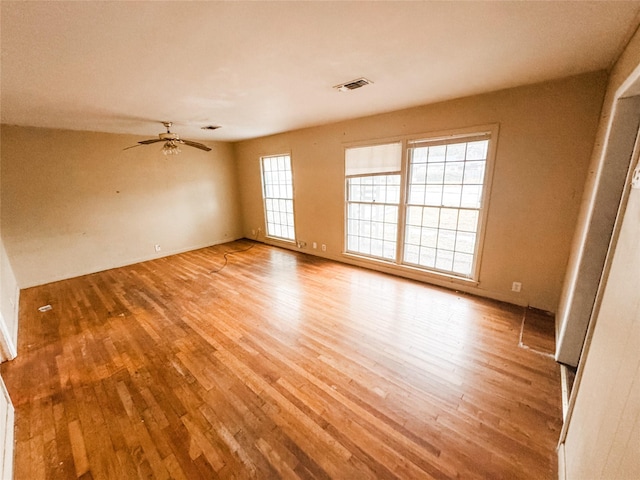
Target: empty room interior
{"type": "Point", "coordinates": [299, 239]}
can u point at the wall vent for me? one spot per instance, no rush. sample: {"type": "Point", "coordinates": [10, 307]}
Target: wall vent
{"type": "Point", "coordinates": [353, 84]}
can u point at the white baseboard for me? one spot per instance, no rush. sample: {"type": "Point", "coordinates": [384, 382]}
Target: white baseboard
{"type": "Point", "coordinates": [562, 471]}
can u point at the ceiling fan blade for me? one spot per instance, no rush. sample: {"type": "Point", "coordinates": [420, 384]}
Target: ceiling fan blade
{"type": "Point", "coordinates": [132, 146]}
{"type": "Point", "coordinates": [196, 145]}
{"type": "Point", "coordinates": [153, 140]}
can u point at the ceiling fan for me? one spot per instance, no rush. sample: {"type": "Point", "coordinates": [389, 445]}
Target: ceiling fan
{"type": "Point", "coordinates": [171, 141]}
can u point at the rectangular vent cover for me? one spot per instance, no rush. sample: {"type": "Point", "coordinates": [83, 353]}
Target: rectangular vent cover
{"type": "Point", "coordinates": [353, 84]}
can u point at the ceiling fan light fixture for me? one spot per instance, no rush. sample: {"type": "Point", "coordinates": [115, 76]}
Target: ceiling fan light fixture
{"type": "Point", "coordinates": [172, 142]}
{"type": "Point", "coordinates": [171, 148]}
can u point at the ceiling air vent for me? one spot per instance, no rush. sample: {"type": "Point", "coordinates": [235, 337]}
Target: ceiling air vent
{"type": "Point", "coordinates": [353, 84]}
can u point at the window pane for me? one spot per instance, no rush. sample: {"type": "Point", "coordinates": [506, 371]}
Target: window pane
{"type": "Point", "coordinates": [444, 260]}
{"type": "Point", "coordinates": [462, 263]}
{"type": "Point", "coordinates": [456, 152]}
{"type": "Point", "coordinates": [435, 173]}
{"type": "Point", "coordinates": [416, 194]}
{"type": "Point", "coordinates": [379, 193]}
{"type": "Point", "coordinates": [390, 233]}
{"type": "Point", "coordinates": [471, 196]}
{"type": "Point", "coordinates": [376, 247]}
{"type": "Point", "coordinates": [419, 155]}
{"type": "Point", "coordinates": [437, 153]}
{"type": "Point", "coordinates": [477, 150]}
{"type": "Point", "coordinates": [352, 243]}
{"type": "Point", "coordinates": [389, 249]}
{"type": "Point", "coordinates": [446, 239]}
{"type": "Point", "coordinates": [412, 254]}
{"type": "Point", "coordinates": [465, 242]}
{"type": "Point", "coordinates": [391, 215]}
{"type": "Point", "coordinates": [449, 218]}
{"type": "Point", "coordinates": [453, 173]}
{"type": "Point", "coordinates": [474, 173]}
{"type": "Point", "coordinates": [431, 217]}
{"type": "Point", "coordinates": [468, 220]}
{"type": "Point", "coordinates": [433, 195]}
{"type": "Point", "coordinates": [419, 173]}
{"type": "Point", "coordinates": [377, 230]}
{"type": "Point", "coordinates": [414, 216]}
{"type": "Point", "coordinates": [428, 257]}
{"type": "Point", "coordinates": [429, 237]}
{"type": "Point", "coordinates": [451, 195]}
{"type": "Point", "coordinates": [393, 193]}
{"type": "Point", "coordinates": [413, 235]}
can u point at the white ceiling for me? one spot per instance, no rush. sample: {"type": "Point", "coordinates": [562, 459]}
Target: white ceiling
{"type": "Point", "coordinates": [258, 68]}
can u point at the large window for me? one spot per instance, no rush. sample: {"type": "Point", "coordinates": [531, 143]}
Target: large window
{"type": "Point", "coordinates": [373, 198]}
{"type": "Point", "coordinates": [277, 191]}
{"type": "Point", "coordinates": [443, 206]}
{"type": "Point", "coordinates": [426, 215]}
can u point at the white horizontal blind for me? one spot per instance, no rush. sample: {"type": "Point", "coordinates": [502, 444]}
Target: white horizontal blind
{"type": "Point", "coordinates": [373, 159]}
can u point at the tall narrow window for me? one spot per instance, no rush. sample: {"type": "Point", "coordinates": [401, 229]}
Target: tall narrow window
{"type": "Point", "coordinates": [277, 192]}
{"type": "Point", "coordinates": [373, 197]}
{"type": "Point", "coordinates": [444, 201]}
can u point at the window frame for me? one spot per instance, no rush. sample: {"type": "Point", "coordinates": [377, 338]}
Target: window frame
{"type": "Point", "coordinates": [448, 136]}
{"type": "Point", "coordinates": [265, 198]}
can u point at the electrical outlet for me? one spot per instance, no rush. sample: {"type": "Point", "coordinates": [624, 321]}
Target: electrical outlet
{"type": "Point", "coordinates": [516, 287]}
{"type": "Point", "coordinates": [157, 247]}
{"type": "Point", "coordinates": [324, 247]}
{"type": "Point", "coordinates": [315, 245]}
{"type": "Point", "coordinates": [253, 232]}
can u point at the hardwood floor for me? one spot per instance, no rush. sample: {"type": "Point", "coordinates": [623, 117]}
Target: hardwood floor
{"type": "Point", "coordinates": [281, 365]}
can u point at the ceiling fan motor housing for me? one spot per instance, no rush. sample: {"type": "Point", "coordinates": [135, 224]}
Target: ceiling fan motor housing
{"type": "Point", "coordinates": [169, 136]}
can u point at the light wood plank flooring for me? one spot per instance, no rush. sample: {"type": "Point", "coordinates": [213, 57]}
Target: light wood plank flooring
{"type": "Point", "coordinates": [281, 365]}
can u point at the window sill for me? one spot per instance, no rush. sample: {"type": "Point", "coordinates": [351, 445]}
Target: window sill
{"type": "Point", "coordinates": [281, 240]}
{"type": "Point", "coordinates": [416, 272]}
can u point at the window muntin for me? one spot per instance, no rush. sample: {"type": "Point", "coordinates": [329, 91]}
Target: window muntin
{"type": "Point", "coordinates": [277, 192]}
{"type": "Point", "coordinates": [445, 189]}
{"type": "Point", "coordinates": [373, 198]}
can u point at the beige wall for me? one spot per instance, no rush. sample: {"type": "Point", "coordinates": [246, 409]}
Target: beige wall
{"type": "Point", "coordinates": [75, 202]}
{"type": "Point", "coordinates": [603, 430]}
{"type": "Point", "coordinates": [543, 150]}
